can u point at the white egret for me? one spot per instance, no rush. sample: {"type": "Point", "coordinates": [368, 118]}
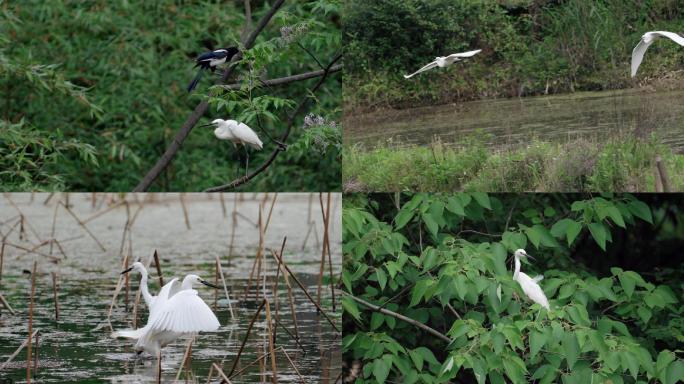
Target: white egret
{"type": "Point", "coordinates": [646, 40]}
{"type": "Point", "coordinates": [238, 133]}
{"type": "Point", "coordinates": [443, 61]}
{"type": "Point", "coordinates": [528, 284]}
{"type": "Point", "coordinates": [178, 312]}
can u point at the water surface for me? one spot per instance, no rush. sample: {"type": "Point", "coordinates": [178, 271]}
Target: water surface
{"type": "Point", "coordinates": [79, 348]}
{"type": "Point", "coordinates": [588, 115]}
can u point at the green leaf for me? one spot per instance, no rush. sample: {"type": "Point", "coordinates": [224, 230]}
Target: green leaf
{"type": "Point", "coordinates": [616, 216]}
{"type": "Point", "coordinates": [644, 314]}
{"type": "Point", "coordinates": [598, 343]}
{"type": "Point", "coordinates": [513, 371]}
{"type": "Point", "coordinates": [350, 307]}
{"type": "Point", "coordinates": [454, 205]}
{"type": "Point", "coordinates": [482, 199]}
{"type": "Point", "coordinates": [402, 218]}
{"type": "Point", "coordinates": [382, 277]}
{"type": "Point", "coordinates": [632, 363]}
{"type": "Point", "coordinates": [641, 210]}
{"type": "Point", "coordinates": [574, 228]}
{"type": "Point", "coordinates": [665, 357]}
{"type": "Point", "coordinates": [430, 223]}
{"type": "Point", "coordinates": [458, 329]}
{"type": "Point", "coordinates": [376, 320]}
{"type": "Point", "coordinates": [598, 232]}
{"type": "Point", "coordinates": [571, 348]}
{"type": "Point", "coordinates": [627, 284]}
{"type": "Point", "coordinates": [417, 359]}
{"type": "Point", "coordinates": [419, 290]}
{"type": "Point", "coordinates": [675, 372]}
{"type": "Point", "coordinates": [381, 370]}
{"type": "Point", "coordinates": [537, 341]}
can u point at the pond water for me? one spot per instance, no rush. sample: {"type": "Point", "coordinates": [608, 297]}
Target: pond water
{"type": "Point", "coordinates": [588, 115]}
{"type": "Point", "coordinates": [78, 347]}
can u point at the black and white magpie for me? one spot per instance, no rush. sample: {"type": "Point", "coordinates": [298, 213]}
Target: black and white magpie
{"type": "Point", "coordinates": [209, 60]}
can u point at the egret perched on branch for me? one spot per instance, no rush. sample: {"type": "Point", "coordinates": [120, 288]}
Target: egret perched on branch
{"type": "Point", "coordinates": [210, 60]}
{"type": "Point", "coordinates": [178, 312]}
{"type": "Point", "coordinates": [529, 285]}
{"type": "Point", "coordinates": [443, 61]}
{"type": "Point", "coordinates": [238, 133]}
{"type": "Point", "coordinates": [646, 40]}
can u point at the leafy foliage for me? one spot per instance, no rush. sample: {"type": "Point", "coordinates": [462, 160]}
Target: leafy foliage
{"type": "Point", "coordinates": [134, 62]}
{"type": "Point", "coordinates": [441, 260]}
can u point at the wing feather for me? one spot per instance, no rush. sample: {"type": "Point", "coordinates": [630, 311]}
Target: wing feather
{"type": "Point", "coordinates": [184, 312]}
{"type": "Point", "coordinates": [638, 55]}
{"type": "Point", "coordinates": [423, 69]}
{"type": "Point", "coordinates": [464, 54]}
{"type": "Point", "coordinates": [247, 135]}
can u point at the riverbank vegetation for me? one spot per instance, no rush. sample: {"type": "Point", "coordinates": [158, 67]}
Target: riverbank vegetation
{"type": "Point", "coordinates": [529, 47]}
{"type": "Point", "coordinates": [93, 93]}
{"type": "Point", "coordinates": [430, 296]}
{"type": "Point", "coordinates": [623, 164]}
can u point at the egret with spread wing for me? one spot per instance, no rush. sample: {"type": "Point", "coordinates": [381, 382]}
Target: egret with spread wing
{"type": "Point", "coordinates": [646, 40]}
{"type": "Point", "coordinates": [238, 133]}
{"type": "Point", "coordinates": [443, 61]}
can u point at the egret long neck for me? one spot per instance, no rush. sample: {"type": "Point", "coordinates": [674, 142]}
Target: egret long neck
{"type": "Point", "coordinates": [187, 283]}
{"type": "Point", "coordinates": [143, 288]}
{"type": "Point", "coordinates": [517, 267]}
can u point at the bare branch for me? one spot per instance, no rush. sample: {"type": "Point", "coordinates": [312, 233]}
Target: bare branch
{"type": "Point", "coordinates": [289, 79]}
{"type": "Point", "coordinates": [244, 179]}
{"type": "Point", "coordinates": [202, 107]}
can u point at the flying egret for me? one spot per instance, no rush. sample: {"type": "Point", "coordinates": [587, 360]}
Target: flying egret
{"type": "Point", "coordinates": [646, 40]}
{"type": "Point", "coordinates": [528, 284]}
{"type": "Point", "coordinates": [443, 61]}
{"type": "Point", "coordinates": [238, 133]}
{"type": "Point", "coordinates": [210, 60]}
{"type": "Point", "coordinates": [182, 312]}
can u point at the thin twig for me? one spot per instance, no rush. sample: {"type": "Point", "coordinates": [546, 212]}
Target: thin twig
{"type": "Point", "coordinates": [289, 79]}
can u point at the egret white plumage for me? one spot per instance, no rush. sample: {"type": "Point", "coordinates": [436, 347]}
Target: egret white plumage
{"type": "Point", "coordinates": [443, 61]}
{"type": "Point", "coordinates": [238, 133]}
{"type": "Point", "coordinates": [528, 284]}
{"type": "Point", "coordinates": [646, 40]}
{"type": "Point", "coordinates": [178, 311]}
{"type": "Point", "coordinates": [210, 60]}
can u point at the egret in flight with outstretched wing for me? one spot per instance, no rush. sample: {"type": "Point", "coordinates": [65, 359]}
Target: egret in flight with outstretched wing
{"type": "Point", "coordinates": [646, 40]}
{"type": "Point", "coordinates": [443, 61]}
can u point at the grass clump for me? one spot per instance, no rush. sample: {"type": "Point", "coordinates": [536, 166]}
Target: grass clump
{"type": "Point", "coordinates": [576, 166]}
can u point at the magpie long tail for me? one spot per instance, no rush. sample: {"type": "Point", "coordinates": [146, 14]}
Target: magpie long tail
{"type": "Point", "coordinates": [196, 80]}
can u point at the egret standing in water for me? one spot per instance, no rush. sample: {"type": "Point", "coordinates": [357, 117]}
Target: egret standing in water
{"type": "Point", "coordinates": [178, 311]}
{"type": "Point", "coordinates": [443, 61]}
{"type": "Point", "coordinates": [210, 60]}
{"type": "Point", "coordinates": [646, 40]}
{"type": "Point", "coordinates": [238, 133]}
{"type": "Point", "coordinates": [529, 285]}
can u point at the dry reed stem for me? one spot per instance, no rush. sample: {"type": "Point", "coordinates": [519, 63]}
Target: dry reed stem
{"type": "Point", "coordinates": [306, 293]}
{"type": "Point", "coordinates": [54, 223]}
{"type": "Point", "coordinates": [244, 341]}
{"type": "Point", "coordinates": [232, 229]}
{"type": "Point", "coordinates": [30, 324]}
{"type": "Point", "coordinates": [55, 297]}
{"type": "Point", "coordinates": [6, 304]}
{"type": "Point", "coordinates": [301, 379]}
{"type": "Point", "coordinates": [271, 347]}
{"type": "Point", "coordinates": [108, 209]}
{"type": "Point", "coordinates": [80, 223]}
{"type": "Point", "coordinates": [220, 372]}
{"type": "Point", "coordinates": [159, 272]}
{"type": "Point", "coordinates": [184, 363]}
{"type": "Point", "coordinates": [223, 205]}
{"type": "Point", "coordinates": [22, 346]}
{"type": "Point", "coordinates": [29, 251]}
{"type": "Point", "coordinates": [225, 288]}
{"type": "Point", "coordinates": [185, 210]}
{"type": "Point", "coordinates": [276, 297]}
{"type": "Point", "coordinates": [290, 296]}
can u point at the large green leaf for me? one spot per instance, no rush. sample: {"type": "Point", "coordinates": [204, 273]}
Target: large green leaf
{"type": "Point", "coordinates": [537, 341]}
{"type": "Point", "coordinates": [571, 348]}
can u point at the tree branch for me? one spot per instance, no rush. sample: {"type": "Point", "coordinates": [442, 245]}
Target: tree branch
{"type": "Point", "coordinates": [201, 108]}
{"type": "Point", "coordinates": [244, 179]}
{"type": "Point", "coordinates": [400, 317]}
{"type": "Point", "coordinates": [288, 79]}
